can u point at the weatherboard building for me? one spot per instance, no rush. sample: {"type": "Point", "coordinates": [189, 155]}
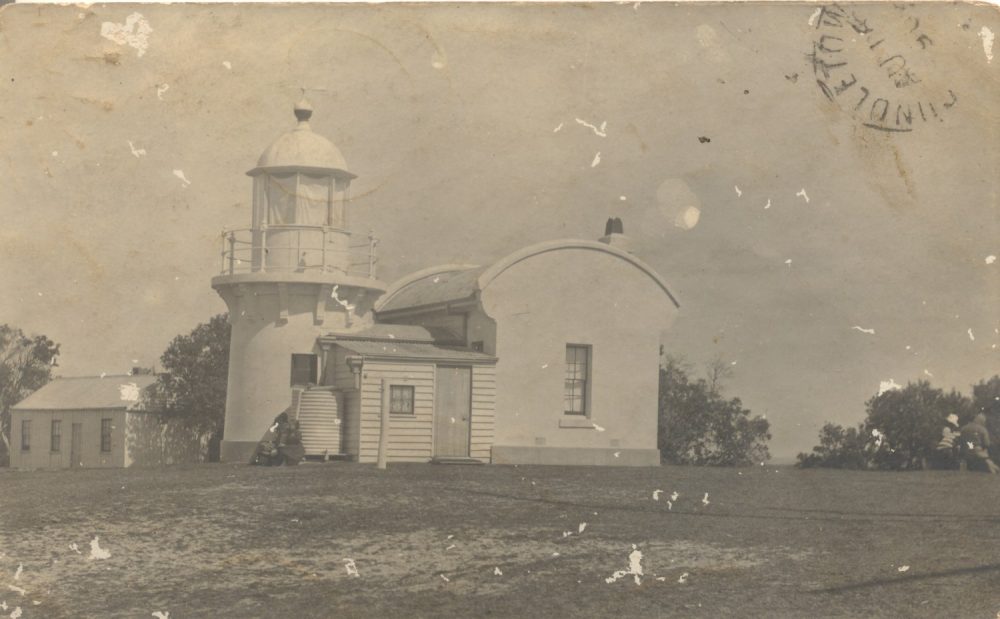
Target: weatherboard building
{"type": "Point", "coordinates": [549, 355]}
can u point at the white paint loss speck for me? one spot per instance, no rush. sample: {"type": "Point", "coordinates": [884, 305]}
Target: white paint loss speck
{"type": "Point", "coordinates": [684, 577]}
{"type": "Point", "coordinates": [656, 494]}
{"type": "Point", "coordinates": [559, 128]}
{"type": "Point", "coordinates": [788, 262]}
{"type": "Point", "coordinates": [128, 392]}
{"type": "Point", "coordinates": [704, 499]}
{"type": "Point", "coordinates": [134, 32]}
{"type": "Point", "coordinates": [814, 17]}
{"type": "Point", "coordinates": [802, 194]}
{"type": "Point", "coordinates": [622, 198]}
{"type": "Point", "coordinates": [161, 89]}
{"type": "Point", "coordinates": [497, 572]}
{"type": "Point", "coordinates": [888, 385]}
{"type": "Point", "coordinates": [991, 259]}
{"type": "Point", "coordinates": [136, 152]}
{"type": "Point", "coordinates": [227, 64]}
{"type": "Point", "coordinates": [634, 568]}
{"type": "Point", "coordinates": [18, 571]}
{"type": "Point", "coordinates": [96, 552]}
{"type": "Point", "coordinates": [768, 205]}
{"type": "Point", "coordinates": [971, 336]}
{"type": "Point", "coordinates": [597, 160]}
{"type": "Point", "coordinates": [160, 614]}
{"type": "Point", "coordinates": [444, 578]}
{"type": "Point", "coordinates": [987, 36]}
{"type": "Point", "coordinates": [180, 174]}
{"type": "Point", "coordinates": [597, 427]}
{"type": "Point", "coordinates": [864, 330]}
{"type": "Point", "coordinates": [351, 567]}
{"type": "Point", "coordinates": [602, 132]}
{"type": "Point", "coordinates": [903, 568]}
{"type": "Point", "coordinates": [579, 529]}
{"type": "Point", "coordinates": [739, 192]}
{"type": "Point", "coordinates": [16, 613]}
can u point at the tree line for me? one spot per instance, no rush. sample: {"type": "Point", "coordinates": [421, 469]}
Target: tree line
{"type": "Point", "coordinates": [903, 429]}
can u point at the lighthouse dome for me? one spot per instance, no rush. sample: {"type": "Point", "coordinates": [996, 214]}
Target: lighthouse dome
{"type": "Point", "coordinates": [301, 148]}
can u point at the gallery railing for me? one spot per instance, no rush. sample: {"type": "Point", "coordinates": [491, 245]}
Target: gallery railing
{"type": "Point", "coordinates": [293, 248]}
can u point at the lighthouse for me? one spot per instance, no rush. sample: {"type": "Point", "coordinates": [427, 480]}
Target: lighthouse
{"type": "Point", "coordinates": [296, 273]}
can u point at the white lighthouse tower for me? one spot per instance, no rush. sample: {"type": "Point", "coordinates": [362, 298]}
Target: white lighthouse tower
{"type": "Point", "coordinates": [294, 274]}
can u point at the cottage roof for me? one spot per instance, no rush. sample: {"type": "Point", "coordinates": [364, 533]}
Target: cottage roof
{"type": "Point", "coordinates": [413, 351]}
{"type": "Point", "coordinates": [451, 283]}
{"type": "Point", "coordinates": [398, 333]}
{"type": "Point", "coordinates": [88, 393]}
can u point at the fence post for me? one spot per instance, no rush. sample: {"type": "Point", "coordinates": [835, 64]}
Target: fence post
{"type": "Point", "coordinates": [383, 432]}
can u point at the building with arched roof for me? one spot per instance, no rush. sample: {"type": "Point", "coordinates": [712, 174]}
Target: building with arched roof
{"type": "Point", "coordinates": [575, 329]}
{"type": "Point", "coordinates": [549, 355]}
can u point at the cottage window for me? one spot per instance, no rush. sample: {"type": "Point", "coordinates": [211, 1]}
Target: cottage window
{"type": "Point", "coordinates": [56, 436]}
{"type": "Point", "coordinates": [577, 383]}
{"type": "Point", "coordinates": [105, 435]}
{"type": "Point", "coordinates": [25, 435]}
{"type": "Point", "coordinates": [401, 399]}
{"type": "Point", "coordinates": [304, 370]}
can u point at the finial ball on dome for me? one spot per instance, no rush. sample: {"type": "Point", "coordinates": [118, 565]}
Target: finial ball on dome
{"type": "Point", "coordinates": [303, 110]}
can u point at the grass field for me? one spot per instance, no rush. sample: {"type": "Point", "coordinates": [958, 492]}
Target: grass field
{"type": "Point", "coordinates": [462, 541]}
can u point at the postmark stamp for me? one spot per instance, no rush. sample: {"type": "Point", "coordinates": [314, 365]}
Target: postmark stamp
{"type": "Point", "coordinates": [877, 67]}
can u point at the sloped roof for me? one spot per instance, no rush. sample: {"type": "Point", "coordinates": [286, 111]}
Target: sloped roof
{"type": "Point", "coordinates": [435, 285]}
{"type": "Point", "coordinates": [400, 333]}
{"type": "Point", "coordinates": [88, 393]}
{"type": "Point", "coordinates": [413, 351]}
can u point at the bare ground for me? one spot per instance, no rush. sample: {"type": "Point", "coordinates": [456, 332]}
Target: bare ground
{"type": "Point", "coordinates": [463, 541]}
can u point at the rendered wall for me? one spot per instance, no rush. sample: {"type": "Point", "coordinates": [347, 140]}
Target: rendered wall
{"type": "Point", "coordinates": [41, 456]}
{"type": "Point", "coordinates": [263, 339]}
{"type": "Point", "coordinates": [577, 296]}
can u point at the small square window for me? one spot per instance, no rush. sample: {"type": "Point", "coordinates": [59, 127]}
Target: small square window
{"type": "Point", "coordinates": [401, 399]}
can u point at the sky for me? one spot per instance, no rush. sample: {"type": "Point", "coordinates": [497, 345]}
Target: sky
{"type": "Point", "coordinates": [814, 246]}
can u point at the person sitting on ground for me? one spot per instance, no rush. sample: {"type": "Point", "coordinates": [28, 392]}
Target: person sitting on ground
{"type": "Point", "coordinates": [290, 443]}
{"type": "Point", "coordinates": [975, 442]}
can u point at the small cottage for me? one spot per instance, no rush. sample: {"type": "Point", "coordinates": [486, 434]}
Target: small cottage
{"type": "Point", "coordinates": [94, 422]}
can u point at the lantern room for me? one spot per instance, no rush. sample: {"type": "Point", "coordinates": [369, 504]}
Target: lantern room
{"type": "Point", "coordinates": [301, 189]}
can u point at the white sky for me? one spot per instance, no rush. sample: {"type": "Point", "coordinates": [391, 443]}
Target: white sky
{"type": "Point", "coordinates": [448, 116]}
